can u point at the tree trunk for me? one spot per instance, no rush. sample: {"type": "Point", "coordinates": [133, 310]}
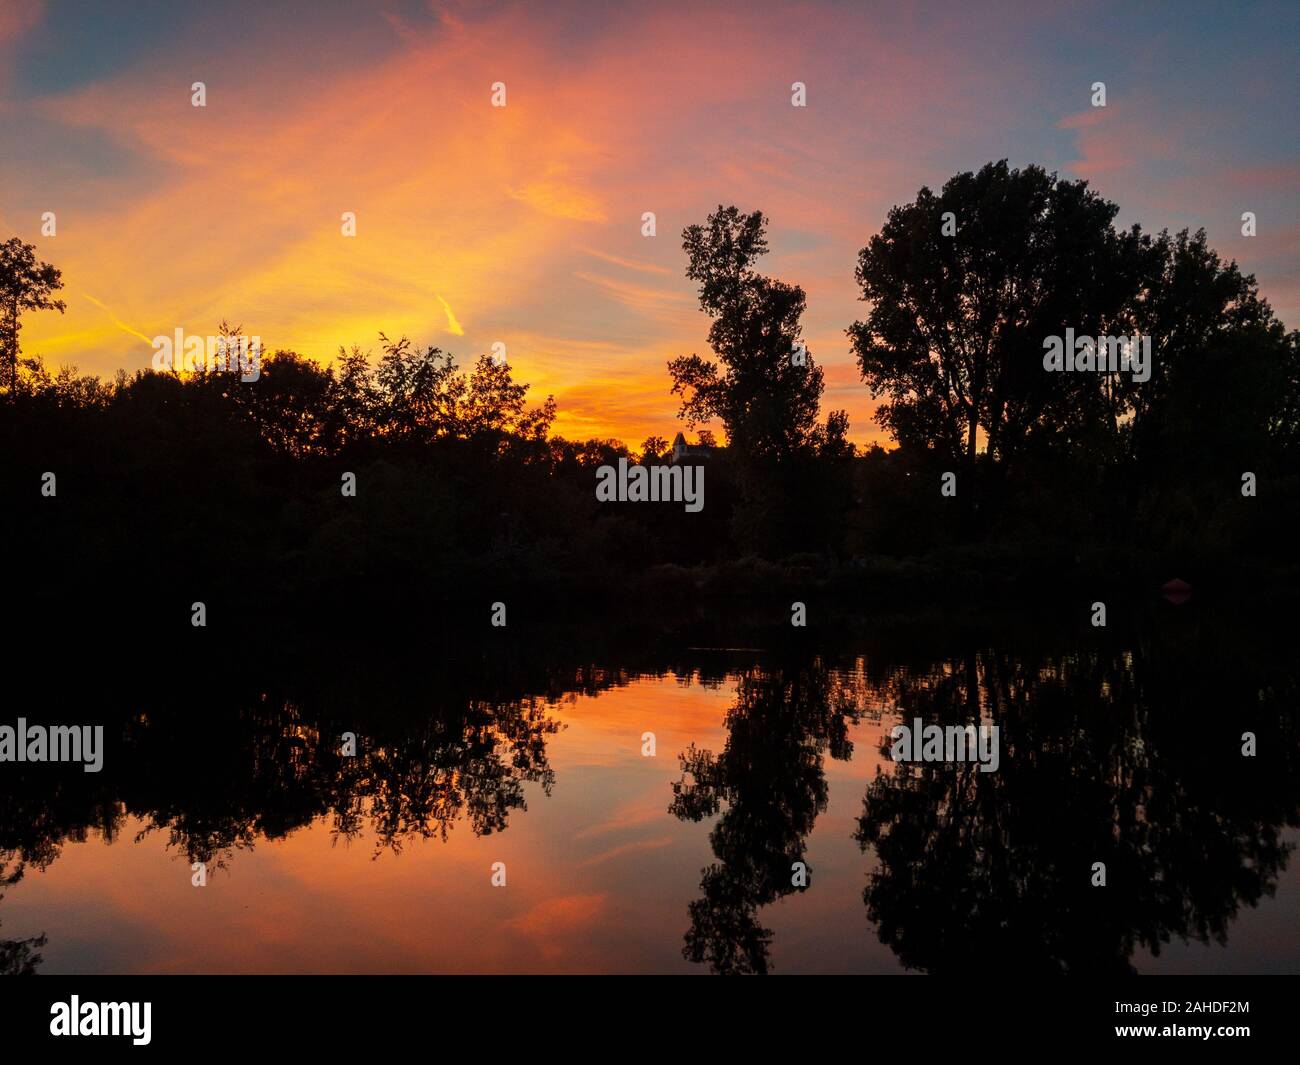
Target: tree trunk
{"type": "Point", "coordinates": [968, 489]}
{"type": "Point", "coordinates": [11, 343]}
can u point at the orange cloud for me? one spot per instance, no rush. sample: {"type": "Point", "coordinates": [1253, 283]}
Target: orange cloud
{"type": "Point", "coordinates": [453, 326]}
{"type": "Point", "coordinates": [528, 217]}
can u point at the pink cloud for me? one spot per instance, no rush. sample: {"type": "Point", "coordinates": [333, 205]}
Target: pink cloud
{"type": "Point", "coordinates": [18, 16]}
{"type": "Point", "coordinates": [526, 219]}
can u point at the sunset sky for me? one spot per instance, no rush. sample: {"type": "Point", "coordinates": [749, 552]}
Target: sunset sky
{"type": "Point", "coordinates": [523, 224]}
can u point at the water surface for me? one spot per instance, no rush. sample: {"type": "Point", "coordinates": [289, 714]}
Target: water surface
{"type": "Point", "coordinates": [1123, 749]}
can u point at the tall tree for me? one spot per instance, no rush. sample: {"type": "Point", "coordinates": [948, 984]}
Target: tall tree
{"type": "Point", "coordinates": [26, 284]}
{"type": "Point", "coordinates": [764, 391]}
{"type": "Point", "coordinates": [765, 388]}
{"type": "Point", "coordinates": [965, 286]}
{"type": "Point", "coordinates": [1225, 371]}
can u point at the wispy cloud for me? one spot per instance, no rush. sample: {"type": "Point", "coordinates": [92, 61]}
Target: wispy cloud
{"type": "Point", "coordinates": [118, 321]}
{"type": "Point", "coordinates": [453, 326]}
{"type": "Point", "coordinates": [529, 215]}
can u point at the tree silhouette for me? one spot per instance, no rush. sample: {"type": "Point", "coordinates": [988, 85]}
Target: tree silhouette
{"type": "Point", "coordinates": [653, 448]}
{"type": "Point", "coordinates": [770, 778]}
{"type": "Point", "coordinates": [953, 339]}
{"type": "Point", "coordinates": [1114, 756]}
{"type": "Point", "coordinates": [18, 957]}
{"type": "Point", "coordinates": [965, 287]}
{"type": "Point", "coordinates": [275, 762]}
{"type": "Point", "coordinates": [26, 284]}
{"type": "Point", "coordinates": [1227, 369]}
{"type": "Point", "coordinates": [766, 400]}
{"type": "Point", "coordinates": [766, 394]}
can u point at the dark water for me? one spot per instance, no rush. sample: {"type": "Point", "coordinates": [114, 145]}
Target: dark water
{"type": "Point", "coordinates": [1121, 746]}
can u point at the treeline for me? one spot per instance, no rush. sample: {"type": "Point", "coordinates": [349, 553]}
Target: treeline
{"type": "Point", "coordinates": [209, 488]}
{"type": "Point", "coordinates": [205, 487]}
